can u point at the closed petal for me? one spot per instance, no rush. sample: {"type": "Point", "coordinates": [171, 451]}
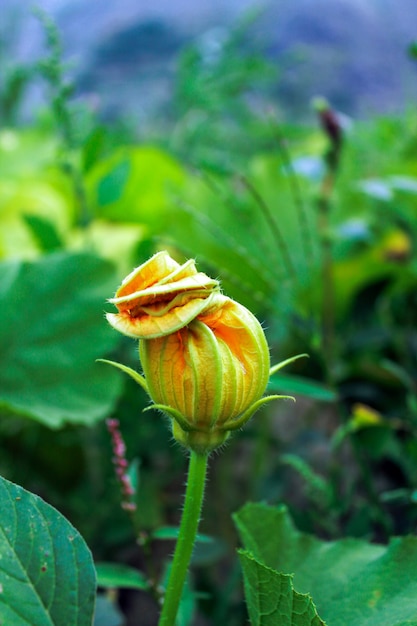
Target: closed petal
{"type": "Point", "coordinates": [184, 370]}
{"type": "Point", "coordinates": [239, 330]}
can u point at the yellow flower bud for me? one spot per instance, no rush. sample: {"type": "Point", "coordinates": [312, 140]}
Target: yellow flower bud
{"type": "Point", "coordinates": [205, 357]}
{"type": "Point", "coordinates": [209, 373]}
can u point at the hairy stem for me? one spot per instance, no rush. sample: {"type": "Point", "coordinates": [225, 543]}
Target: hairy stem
{"type": "Point", "coordinates": [188, 530]}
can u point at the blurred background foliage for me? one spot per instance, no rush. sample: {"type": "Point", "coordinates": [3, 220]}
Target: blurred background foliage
{"type": "Point", "coordinates": [311, 226]}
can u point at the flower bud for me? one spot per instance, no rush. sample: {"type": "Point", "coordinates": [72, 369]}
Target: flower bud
{"type": "Point", "coordinates": [204, 356]}
{"type": "Point", "coordinates": [209, 373]}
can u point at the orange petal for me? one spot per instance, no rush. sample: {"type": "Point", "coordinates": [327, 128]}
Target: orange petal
{"type": "Point", "coordinates": [164, 292]}
{"type": "Point", "coordinates": [238, 331]}
{"type": "Point", "coordinates": [156, 268]}
{"type": "Point", "coordinates": [150, 325]}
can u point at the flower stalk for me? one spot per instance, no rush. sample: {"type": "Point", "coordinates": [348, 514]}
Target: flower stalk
{"type": "Point", "coordinates": [188, 530]}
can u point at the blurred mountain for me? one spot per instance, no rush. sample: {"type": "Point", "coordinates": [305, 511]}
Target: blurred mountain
{"type": "Point", "coordinates": [352, 51]}
{"type": "Point", "coordinates": [123, 52]}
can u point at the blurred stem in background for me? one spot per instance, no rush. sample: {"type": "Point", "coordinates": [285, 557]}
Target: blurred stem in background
{"type": "Point", "coordinates": [333, 130]}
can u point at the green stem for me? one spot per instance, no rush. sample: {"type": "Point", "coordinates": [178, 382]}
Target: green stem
{"type": "Point", "coordinates": [328, 331]}
{"type": "Point", "coordinates": [186, 538]}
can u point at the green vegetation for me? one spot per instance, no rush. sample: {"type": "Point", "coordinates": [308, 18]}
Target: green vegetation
{"type": "Point", "coordinates": [314, 229]}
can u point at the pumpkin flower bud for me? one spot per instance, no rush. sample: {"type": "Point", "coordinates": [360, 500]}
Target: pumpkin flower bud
{"type": "Point", "coordinates": [204, 356]}
{"type": "Point", "coordinates": [209, 373]}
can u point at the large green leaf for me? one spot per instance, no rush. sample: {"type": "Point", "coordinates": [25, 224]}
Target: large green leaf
{"type": "Point", "coordinates": [47, 575]}
{"type": "Point", "coordinates": [134, 185]}
{"type": "Point", "coordinates": [52, 330]}
{"type": "Point", "coordinates": [351, 581]}
{"type": "Point", "coordinates": [271, 598]}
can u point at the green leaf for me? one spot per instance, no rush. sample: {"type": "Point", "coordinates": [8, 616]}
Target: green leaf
{"type": "Point", "coordinates": [52, 331]}
{"type": "Point", "coordinates": [44, 232]}
{"type": "Point", "coordinates": [134, 184]}
{"type": "Point", "coordinates": [299, 386]}
{"type": "Point", "coordinates": [110, 187]}
{"type": "Point", "coordinates": [351, 581]}
{"type": "Point", "coordinates": [133, 474]}
{"type": "Point", "coordinates": [46, 570]}
{"type": "Point", "coordinates": [172, 532]}
{"type": "Point", "coordinates": [117, 576]}
{"type": "Point", "coordinates": [271, 599]}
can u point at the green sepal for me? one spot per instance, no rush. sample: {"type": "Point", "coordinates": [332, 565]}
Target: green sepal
{"type": "Point", "coordinates": [176, 415]}
{"type": "Point", "coordinates": [128, 370]}
{"type": "Point", "coordinates": [245, 417]}
{"type": "Point", "coordinates": [279, 366]}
